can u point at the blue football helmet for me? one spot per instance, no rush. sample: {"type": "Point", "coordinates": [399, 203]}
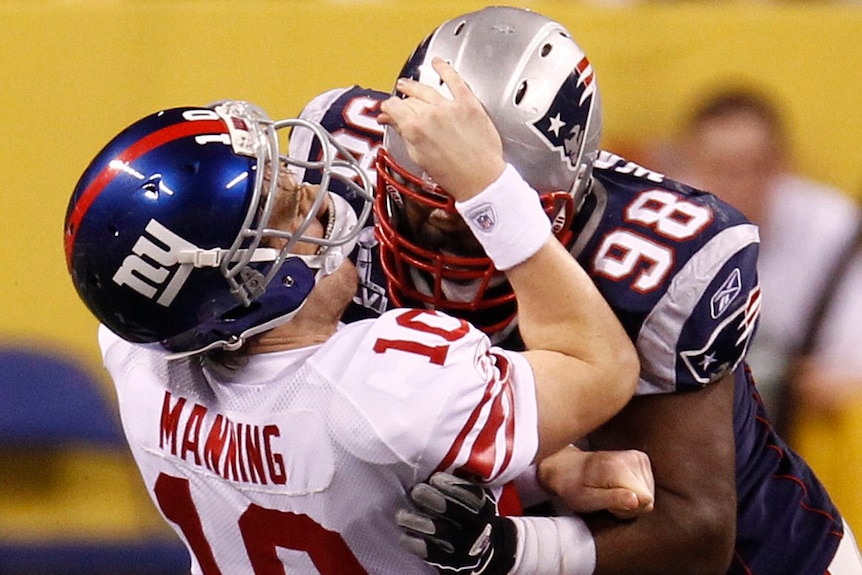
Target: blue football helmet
{"type": "Point", "coordinates": [167, 231]}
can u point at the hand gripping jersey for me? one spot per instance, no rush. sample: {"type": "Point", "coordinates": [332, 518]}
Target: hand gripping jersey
{"type": "Point", "coordinates": [297, 462]}
{"type": "Point", "coordinates": [678, 267]}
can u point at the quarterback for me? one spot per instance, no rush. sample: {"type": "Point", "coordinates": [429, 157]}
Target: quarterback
{"type": "Point", "coordinates": [271, 440]}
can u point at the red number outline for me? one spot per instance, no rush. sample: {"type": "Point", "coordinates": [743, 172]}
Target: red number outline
{"type": "Point", "coordinates": [436, 354]}
{"type": "Point", "coordinates": [263, 531]}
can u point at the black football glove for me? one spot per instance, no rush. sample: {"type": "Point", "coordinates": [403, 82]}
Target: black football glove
{"type": "Point", "coordinates": [455, 528]}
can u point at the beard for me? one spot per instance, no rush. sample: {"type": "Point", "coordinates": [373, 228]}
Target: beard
{"type": "Point", "coordinates": [458, 242]}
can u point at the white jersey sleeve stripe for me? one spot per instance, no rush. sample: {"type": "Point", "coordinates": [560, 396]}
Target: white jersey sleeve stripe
{"type": "Point", "coordinates": [489, 430]}
{"type": "Point", "coordinates": [663, 326]}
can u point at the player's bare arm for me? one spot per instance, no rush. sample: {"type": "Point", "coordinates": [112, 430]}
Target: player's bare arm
{"type": "Point", "coordinates": [584, 363]}
{"type": "Point", "coordinates": [691, 446]}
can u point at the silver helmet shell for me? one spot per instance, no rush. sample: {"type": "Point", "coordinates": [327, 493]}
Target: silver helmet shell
{"type": "Point", "coordinates": [536, 84]}
{"type": "Point", "coordinates": [539, 90]}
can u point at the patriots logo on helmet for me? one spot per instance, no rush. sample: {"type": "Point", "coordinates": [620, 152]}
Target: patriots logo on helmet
{"type": "Point", "coordinates": [564, 124]}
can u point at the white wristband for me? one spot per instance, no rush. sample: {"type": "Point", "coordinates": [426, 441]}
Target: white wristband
{"type": "Point", "coordinates": [559, 545]}
{"type": "Point", "coordinates": [508, 220]}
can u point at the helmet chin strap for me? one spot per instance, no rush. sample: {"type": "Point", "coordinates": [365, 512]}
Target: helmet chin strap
{"type": "Point", "coordinates": [328, 259]}
{"type": "Point", "coordinates": [342, 220]}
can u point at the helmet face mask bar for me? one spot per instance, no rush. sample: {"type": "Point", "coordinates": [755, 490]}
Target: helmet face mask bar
{"type": "Point", "coordinates": [542, 97]}
{"type": "Point", "coordinates": [167, 231]}
{"type": "Point", "coordinates": [464, 285]}
{"type": "Point", "coordinates": [264, 143]}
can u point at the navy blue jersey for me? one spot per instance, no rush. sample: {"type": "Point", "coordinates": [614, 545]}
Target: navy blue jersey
{"type": "Point", "coordinates": [350, 114]}
{"type": "Point", "coordinates": [678, 267]}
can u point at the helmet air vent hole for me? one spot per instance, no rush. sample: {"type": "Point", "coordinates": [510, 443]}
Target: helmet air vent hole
{"type": "Point", "coordinates": [151, 189]}
{"type": "Point", "coordinates": [546, 49]}
{"type": "Point", "coordinates": [519, 94]}
{"type": "Point", "coordinates": [192, 168]}
{"type": "Point", "coordinates": [459, 28]}
{"type": "Point", "coordinates": [114, 231]}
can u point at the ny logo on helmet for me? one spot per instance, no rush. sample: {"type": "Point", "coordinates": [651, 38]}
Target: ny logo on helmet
{"type": "Point", "coordinates": [146, 278]}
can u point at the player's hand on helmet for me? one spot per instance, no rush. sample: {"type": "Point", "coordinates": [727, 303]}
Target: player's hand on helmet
{"type": "Point", "coordinates": [455, 528]}
{"type": "Point", "coordinates": [618, 481]}
{"type": "Point", "coordinates": [453, 140]}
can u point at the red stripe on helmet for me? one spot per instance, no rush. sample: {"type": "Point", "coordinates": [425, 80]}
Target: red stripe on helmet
{"type": "Point", "coordinates": [130, 154]}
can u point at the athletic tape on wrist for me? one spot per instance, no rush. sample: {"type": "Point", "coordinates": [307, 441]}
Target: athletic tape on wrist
{"type": "Point", "coordinates": [560, 545]}
{"type": "Point", "coordinates": [507, 219]}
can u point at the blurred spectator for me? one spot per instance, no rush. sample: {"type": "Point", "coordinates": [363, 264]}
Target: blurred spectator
{"type": "Point", "coordinates": [807, 354]}
{"type": "Point", "coordinates": [735, 145]}
{"type": "Point", "coordinates": [826, 394]}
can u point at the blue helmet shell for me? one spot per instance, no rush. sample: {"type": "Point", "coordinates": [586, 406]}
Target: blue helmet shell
{"type": "Point", "coordinates": [169, 182]}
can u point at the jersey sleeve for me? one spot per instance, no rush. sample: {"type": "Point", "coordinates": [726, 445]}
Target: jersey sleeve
{"type": "Point", "coordinates": [440, 396]}
{"type": "Point", "coordinates": [107, 340]}
{"type": "Point", "coordinates": [702, 326]}
{"type": "Point", "coordinates": [300, 145]}
{"type": "Point", "coordinates": [679, 268]}
{"type": "Point", "coordinates": [116, 351]}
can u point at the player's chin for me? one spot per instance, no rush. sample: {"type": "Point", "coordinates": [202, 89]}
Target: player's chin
{"type": "Point", "coordinates": [342, 284]}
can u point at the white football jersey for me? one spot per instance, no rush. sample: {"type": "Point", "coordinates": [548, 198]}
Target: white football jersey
{"type": "Point", "coordinates": [298, 461]}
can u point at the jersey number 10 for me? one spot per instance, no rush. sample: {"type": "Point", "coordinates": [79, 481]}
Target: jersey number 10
{"type": "Point", "coordinates": [262, 530]}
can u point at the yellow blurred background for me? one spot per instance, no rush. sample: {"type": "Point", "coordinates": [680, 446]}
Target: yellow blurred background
{"type": "Point", "coordinates": [75, 72]}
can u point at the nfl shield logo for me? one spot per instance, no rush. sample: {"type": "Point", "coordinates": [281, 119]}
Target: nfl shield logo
{"type": "Point", "coordinates": [484, 218]}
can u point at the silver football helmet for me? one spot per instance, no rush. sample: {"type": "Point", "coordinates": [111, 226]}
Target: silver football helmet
{"type": "Point", "coordinates": [535, 83]}
{"type": "Point", "coordinates": [539, 89]}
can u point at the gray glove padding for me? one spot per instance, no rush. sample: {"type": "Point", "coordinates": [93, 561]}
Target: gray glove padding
{"type": "Point", "coordinates": [455, 528]}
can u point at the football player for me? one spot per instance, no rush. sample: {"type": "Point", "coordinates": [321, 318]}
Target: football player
{"type": "Point", "coordinates": [678, 267]}
{"type": "Point", "coordinates": [269, 439]}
